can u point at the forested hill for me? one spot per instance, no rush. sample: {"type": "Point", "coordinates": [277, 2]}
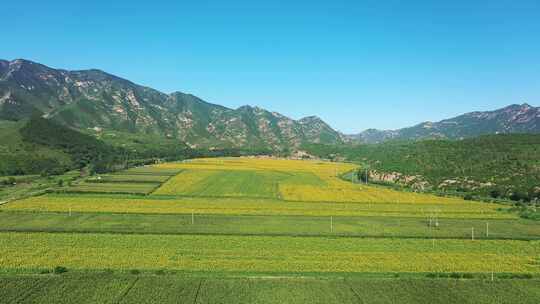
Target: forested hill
{"type": "Point", "coordinates": [499, 166]}
{"type": "Point", "coordinates": [41, 146]}
{"type": "Point", "coordinates": [95, 101]}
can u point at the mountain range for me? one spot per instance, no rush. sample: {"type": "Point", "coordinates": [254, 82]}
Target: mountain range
{"type": "Point", "coordinates": [96, 102]}
{"type": "Point", "coordinates": [511, 119]}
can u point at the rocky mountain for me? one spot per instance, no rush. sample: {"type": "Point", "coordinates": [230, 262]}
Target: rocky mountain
{"type": "Point", "coordinates": [511, 119]}
{"type": "Point", "coordinates": [94, 101]}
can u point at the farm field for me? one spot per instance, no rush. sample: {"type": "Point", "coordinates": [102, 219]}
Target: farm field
{"type": "Point", "coordinates": [121, 288]}
{"type": "Point", "coordinates": [254, 230]}
{"type": "Point", "coordinates": [250, 206]}
{"type": "Point", "coordinates": [307, 181]}
{"type": "Point", "coordinates": [140, 181]}
{"type": "Point", "coordinates": [113, 187]}
{"type": "Point", "coordinates": [267, 254]}
{"type": "Point", "coordinates": [367, 226]}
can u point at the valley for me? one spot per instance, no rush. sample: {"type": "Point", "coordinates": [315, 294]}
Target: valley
{"type": "Point", "coordinates": [208, 228]}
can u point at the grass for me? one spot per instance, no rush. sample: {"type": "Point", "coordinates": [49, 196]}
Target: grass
{"type": "Point", "coordinates": [113, 187]}
{"type": "Point", "coordinates": [150, 170]}
{"type": "Point", "coordinates": [142, 180]}
{"type": "Point", "coordinates": [30, 185]}
{"type": "Point", "coordinates": [248, 206]}
{"type": "Point", "coordinates": [129, 178]}
{"type": "Point", "coordinates": [119, 288]}
{"type": "Point", "coordinates": [371, 226]}
{"type": "Point", "coordinates": [264, 253]}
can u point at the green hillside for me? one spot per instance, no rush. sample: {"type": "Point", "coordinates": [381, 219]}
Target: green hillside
{"type": "Point", "coordinates": [95, 101]}
{"type": "Point", "coordinates": [496, 166]}
{"type": "Point", "coordinates": [19, 156]}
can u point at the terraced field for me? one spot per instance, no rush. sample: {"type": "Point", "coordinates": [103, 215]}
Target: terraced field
{"type": "Point", "coordinates": [216, 225]}
{"type": "Point", "coordinates": [142, 180]}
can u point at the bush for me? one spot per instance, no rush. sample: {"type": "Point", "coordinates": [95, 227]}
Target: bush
{"type": "Point", "coordinates": [468, 276]}
{"type": "Point", "coordinates": [60, 270]}
{"type": "Point", "coordinates": [135, 271]}
{"type": "Point", "coordinates": [455, 275]}
{"type": "Point", "coordinates": [160, 272]}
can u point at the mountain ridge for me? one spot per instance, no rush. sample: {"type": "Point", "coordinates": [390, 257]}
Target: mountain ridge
{"type": "Point", "coordinates": [514, 118]}
{"type": "Point", "coordinates": [96, 100]}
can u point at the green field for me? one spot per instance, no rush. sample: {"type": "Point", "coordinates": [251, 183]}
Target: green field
{"type": "Point", "coordinates": [141, 180]}
{"type": "Point", "coordinates": [367, 226]}
{"type": "Point", "coordinates": [129, 178]}
{"type": "Point", "coordinates": [121, 288]}
{"type": "Point", "coordinates": [243, 230]}
{"type": "Point", "coordinates": [114, 187]}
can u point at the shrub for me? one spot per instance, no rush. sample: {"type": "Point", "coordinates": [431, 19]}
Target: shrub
{"type": "Point", "coordinates": [455, 275]}
{"type": "Point", "coordinates": [468, 276]}
{"type": "Point", "coordinates": [134, 271]}
{"type": "Point", "coordinates": [60, 270]}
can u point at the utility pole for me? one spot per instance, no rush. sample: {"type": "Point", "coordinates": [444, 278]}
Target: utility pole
{"type": "Point", "coordinates": [331, 224]}
{"type": "Point", "coordinates": [192, 217]}
{"type": "Point", "coordinates": [472, 233]}
{"type": "Point", "coordinates": [487, 229]}
{"type": "Point", "coordinates": [367, 176]}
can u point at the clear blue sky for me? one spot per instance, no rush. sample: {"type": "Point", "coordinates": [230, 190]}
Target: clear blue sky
{"type": "Point", "coordinates": [356, 64]}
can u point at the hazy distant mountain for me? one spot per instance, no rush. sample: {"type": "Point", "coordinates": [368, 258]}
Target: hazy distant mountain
{"type": "Point", "coordinates": [95, 100]}
{"type": "Point", "coordinates": [511, 119]}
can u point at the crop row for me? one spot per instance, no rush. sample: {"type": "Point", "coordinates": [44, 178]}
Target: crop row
{"type": "Point", "coordinates": [125, 289]}
{"type": "Point", "coordinates": [269, 225]}
{"type": "Point", "coordinates": [251, 206]}
{"type": "Point", "coordinates": [265, 254]}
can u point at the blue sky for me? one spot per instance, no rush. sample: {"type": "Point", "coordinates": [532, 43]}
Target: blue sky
{"type": "Point", "coordinates": [356, 64]}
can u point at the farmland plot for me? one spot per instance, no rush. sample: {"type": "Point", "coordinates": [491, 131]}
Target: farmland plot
{"type": "Point", "coordinates": [234, 183]}
{"type": "Point", "coordinates": [113, 187]}
{"type": "Point", "coordinates": [247, 230]}
{"type": "Point", "coordinates": [250, 206]}
{"type": "Point", "coordinates": [100, 288]}
{"type": "Point", "coordinates": [141, 180]}
{"type": "Point", "coordinates": [275, 254]}
{"type": "Point", "coordinates": [367, 226]}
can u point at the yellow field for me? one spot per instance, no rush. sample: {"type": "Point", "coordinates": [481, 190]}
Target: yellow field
{"type": "Point", "coordinates": [250, 206]}
{"type": "Point", "coordinates": [266, 164]}
{"type": "Point", "coordinates": [182, 182]}
{"type": "Point", "coordinates": [327, 187]}
{"type": "Point", "coordinates": [250, 186]}
{"type": "Point", "coordinates": [267, 254]}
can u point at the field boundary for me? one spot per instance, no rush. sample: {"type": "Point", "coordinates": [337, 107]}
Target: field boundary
{"type": "Point", "coordinates": [295, 235]}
